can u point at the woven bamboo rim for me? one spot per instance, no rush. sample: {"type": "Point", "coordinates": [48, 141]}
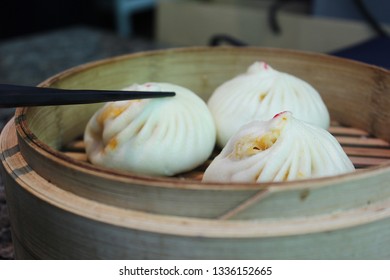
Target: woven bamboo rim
{"type": "Point", "coordinates": [30, 181]}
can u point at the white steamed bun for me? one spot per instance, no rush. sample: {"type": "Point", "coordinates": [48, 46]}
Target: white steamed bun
{"type": "Point", "coordinates": [259, 94]}
{"type": "Point", "coordinates": [160, 136]}
{"type": "Point", "coordinates": [281, 149]}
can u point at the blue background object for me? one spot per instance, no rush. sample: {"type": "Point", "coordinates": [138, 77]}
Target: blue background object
{"type": "Point", "coordinates": [374, 51]}
{"type": "Point", "coordinates": [347, 9]}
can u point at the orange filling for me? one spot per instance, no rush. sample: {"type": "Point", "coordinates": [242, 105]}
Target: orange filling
{"type": "Point", "coordinates": [248, 146]}
{"type": "Point", "coordinates": [112, 111]}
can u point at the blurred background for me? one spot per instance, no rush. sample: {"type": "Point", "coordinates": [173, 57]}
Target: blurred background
{"type": "Point", "coordinates": [41, 38]}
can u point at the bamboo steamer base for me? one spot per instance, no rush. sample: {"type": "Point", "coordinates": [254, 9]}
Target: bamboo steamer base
{"type": "Point", "coordinates": [44, 133]}
{"type": "Point", "coordinates": [63, 207]}
{"type": "Point", "coordinates": [49, 222]}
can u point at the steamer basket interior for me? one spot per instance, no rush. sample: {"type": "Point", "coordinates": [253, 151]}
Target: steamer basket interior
{"type": "Point", "coordinates": [357, 96]}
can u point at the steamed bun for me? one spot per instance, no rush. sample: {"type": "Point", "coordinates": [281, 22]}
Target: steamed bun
{"type": "Point", "coordinates": [160, 136]}
{"type": "Point", "coordinates": [281, 149]}
{"type": "Point", "coordinates": [259, 94]}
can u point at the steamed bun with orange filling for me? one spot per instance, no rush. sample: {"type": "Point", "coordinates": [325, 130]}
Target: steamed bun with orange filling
{"type": "Point", "coordinates": [160, 136]}
{"type": "Point", "coordinates": [260, 93]}
{"type": "Point", "coordinates": [281, 149]}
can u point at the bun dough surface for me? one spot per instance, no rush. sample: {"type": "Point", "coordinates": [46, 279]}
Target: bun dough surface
{"type": "Point", "coordinates": [281, 149]}
{"type": "Point", "coordinates": [259, 94]}
{"type": "Point", "coordinates": [159, 136]}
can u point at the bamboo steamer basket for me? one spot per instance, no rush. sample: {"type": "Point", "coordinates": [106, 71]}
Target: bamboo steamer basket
{"type": "Point", "coordinates": [63, 207]}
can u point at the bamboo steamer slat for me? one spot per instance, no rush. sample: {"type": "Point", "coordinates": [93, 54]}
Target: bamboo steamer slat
{"type": "Point", "coordinates": [128, 214]}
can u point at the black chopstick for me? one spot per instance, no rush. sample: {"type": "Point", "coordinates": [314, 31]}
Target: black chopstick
{"type": "Point", "coordinates": [23, 96]}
